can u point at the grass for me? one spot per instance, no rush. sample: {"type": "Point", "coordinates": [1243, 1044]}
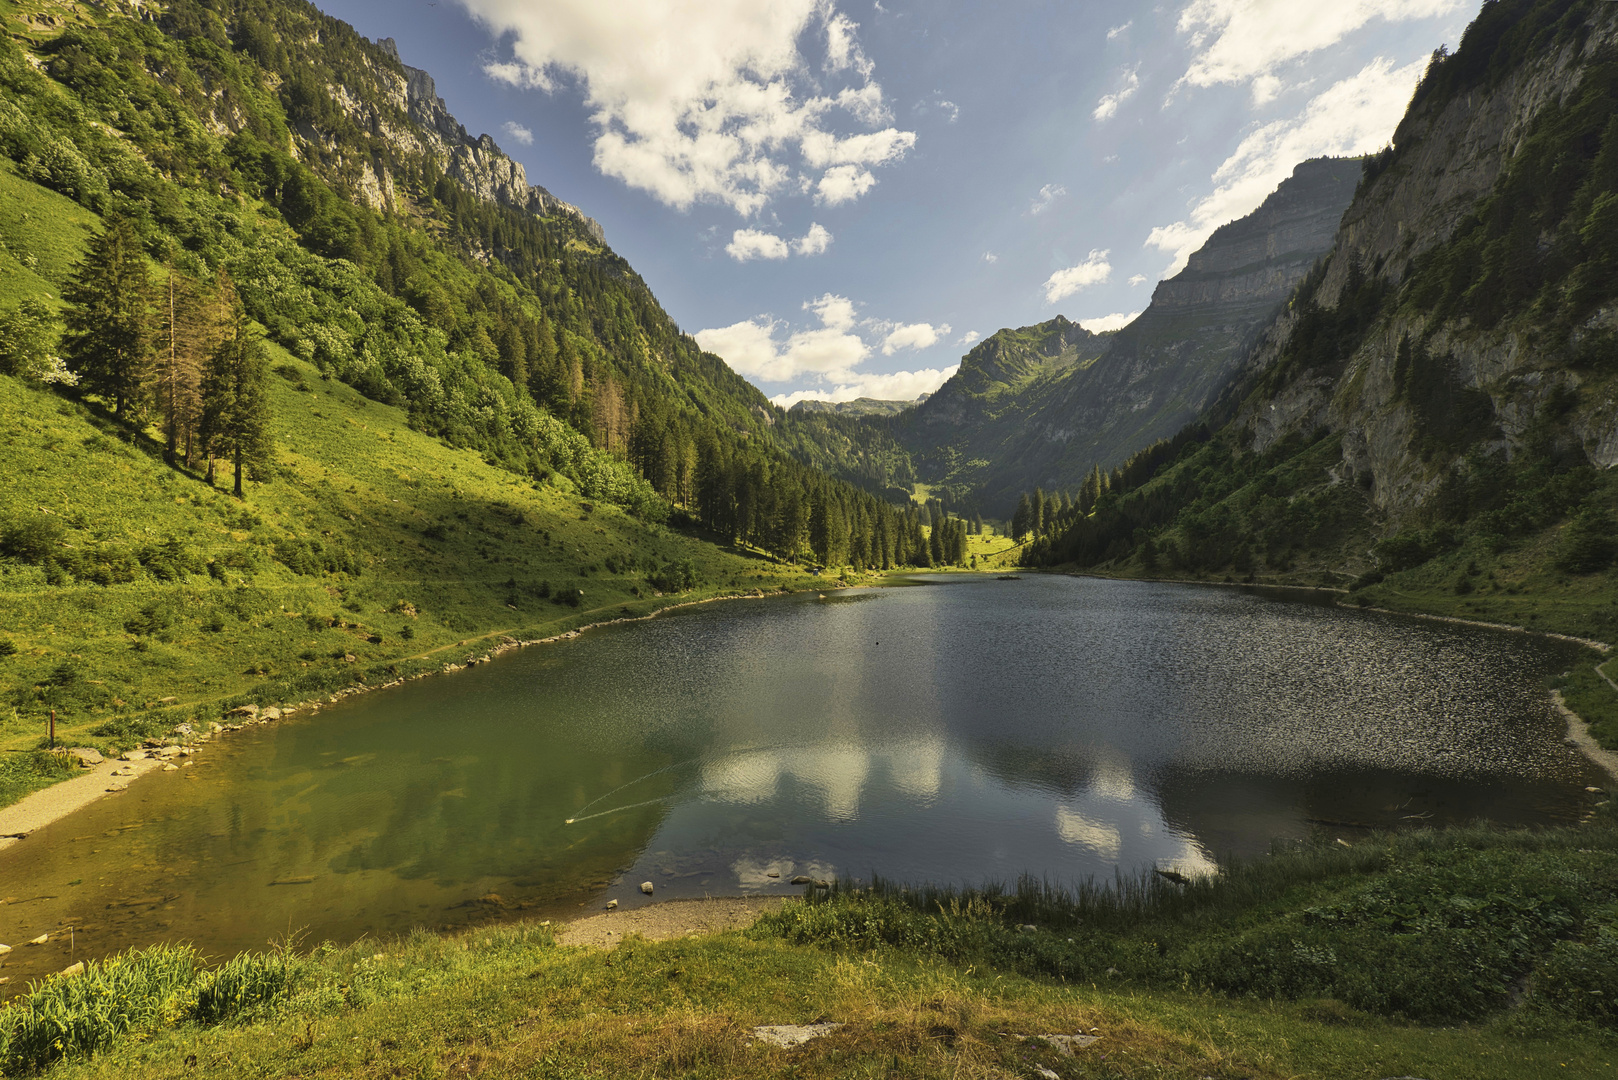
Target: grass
{"type": "Point", "coordinates": [508, 1002]}
{"type": "Point", "coordinates": [42, 235]}
{"type": "Point", "coordinates": [183, 601]}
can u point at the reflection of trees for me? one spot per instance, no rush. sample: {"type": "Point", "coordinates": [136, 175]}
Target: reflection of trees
{"type": "Point", "coordinates": [1020, 766]}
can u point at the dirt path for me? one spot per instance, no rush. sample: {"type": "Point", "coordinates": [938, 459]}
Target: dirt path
{"type": "Point", "coordinates": [669, 919]}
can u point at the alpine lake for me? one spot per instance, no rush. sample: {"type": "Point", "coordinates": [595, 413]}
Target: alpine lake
{"type": "Point", "coordinates": [963, 730]}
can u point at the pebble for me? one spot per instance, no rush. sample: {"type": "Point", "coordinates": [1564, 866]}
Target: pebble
{"type": "Point", "coordinates": [40, 940]}
{"type": "Point", "coordinates": [612, 905]}
{"type": "Point", "coordinates": [646, 887]}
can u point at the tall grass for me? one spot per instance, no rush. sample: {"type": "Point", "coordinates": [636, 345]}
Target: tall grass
{"type": "Point", "coordinates": [136, 993]}
{"type": "Point", "coordinates": [1433, 926]}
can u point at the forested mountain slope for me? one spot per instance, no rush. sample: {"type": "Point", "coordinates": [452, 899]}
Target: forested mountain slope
{"type": "Point", "coordinates": [1433, 414]}
{"type": "Point", "coordinates": [209, 173]}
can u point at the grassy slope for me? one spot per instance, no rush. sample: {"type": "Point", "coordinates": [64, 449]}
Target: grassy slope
{"type": "Point", "coordinates": [350, 475]}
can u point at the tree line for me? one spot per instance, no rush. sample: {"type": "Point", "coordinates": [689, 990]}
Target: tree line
{"type": "Point", "coordinates": [180, 352]}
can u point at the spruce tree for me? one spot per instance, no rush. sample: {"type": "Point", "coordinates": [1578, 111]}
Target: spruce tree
{"type": "Point", "coordinates": [1021, 519]}
{"type": "Point", "coordinates": [236, 402]}
{"type": "Point", "coordinates": [190, 325]}
{"type": "Point", "coordinates": [109, 340]}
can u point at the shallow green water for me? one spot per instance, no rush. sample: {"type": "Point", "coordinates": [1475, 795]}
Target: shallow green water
{"type": "Point", "coordinates": [964, 731]}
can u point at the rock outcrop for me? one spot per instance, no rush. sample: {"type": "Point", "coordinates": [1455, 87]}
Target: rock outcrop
{"type": "Point", "coordinates": [1041, 406]}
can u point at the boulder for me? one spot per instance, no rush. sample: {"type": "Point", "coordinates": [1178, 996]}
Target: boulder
{"type": "Point", "coordinates": [72, 969]}
{"type": "Point", "coordinates": [646, 887]}
{"type": "Point", "coordinates": [244, 710]}
{"type": "Point", "coordinates": [272, 713]}
{"type": "Point", "coordinates": [612, 905]}
{"type": "Point", "coordinates": [87, 755]}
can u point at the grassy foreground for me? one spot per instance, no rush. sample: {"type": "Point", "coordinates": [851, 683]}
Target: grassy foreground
{"type": "Point", "coordinates": [931, 984]}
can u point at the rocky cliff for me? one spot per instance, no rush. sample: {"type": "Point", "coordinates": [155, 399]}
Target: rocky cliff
{"type": "Point", "coordinates": [1501, 328]}
{"type": "Point", "coordinates": [1041, 406]}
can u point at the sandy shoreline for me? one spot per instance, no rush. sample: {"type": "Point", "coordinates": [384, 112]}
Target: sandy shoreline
{"type": "Point", "coordinates": [50, 805]}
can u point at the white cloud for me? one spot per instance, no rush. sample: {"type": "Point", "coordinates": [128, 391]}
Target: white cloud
{"type": "Point", "coordinates": [705, 102]}
{"type": "Point", "coordinates": [1095, 270]}
{"type": "Point", "coordinates": [1245, 41]}
{"type": "Point", "coordinates": [969, 337]}
{"type": "Point", "coordinates": [1138, 279]}
{"type": "Point", "coordinates": [814, 242]}
{"type": "Point", "coordinates": [1046, 198]}
{"type": "Point", "coordinates": [990, 257]}
{"type": "Point", "coordinates": [1356, 116]}
{"type": "Point", "coordinates": [913, 336]}
{"type": "Point", "coordinates": [748, 244]}
{"type": "Point", "coordinates": [1107, 107]}
{"type": "Point", "coordinates": [843, 183]}
{"type": "Point", "coordinates": [1103, 323]}
{"type": "Point", "coordinates": [1118, 31]}
{"type": "Point", "coordinates": [767, 350]}
{"type": "Point", "coordinates": [894, 386]}
{"type": "Point", "coordinates": [517, 132]}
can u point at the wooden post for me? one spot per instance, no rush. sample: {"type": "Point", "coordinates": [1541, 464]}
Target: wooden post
{"type": "Point", "coordinates": [53, 729]}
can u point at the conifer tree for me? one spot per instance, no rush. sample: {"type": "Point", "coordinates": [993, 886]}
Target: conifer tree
{"type": "Point", "coordinates": [190, 326]}
{"type": "Point", "coordinates": [1020, 520]}
{"type": "Point", "coordinates": [109, 340]}
{"type": "Point", "coordinates": [235, 402]}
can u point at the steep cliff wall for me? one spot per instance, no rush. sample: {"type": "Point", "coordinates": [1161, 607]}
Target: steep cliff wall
{"type": "Point", "coordinates": [1042, 405]}
{"type": "Point", "coordinates": [1470, 150]}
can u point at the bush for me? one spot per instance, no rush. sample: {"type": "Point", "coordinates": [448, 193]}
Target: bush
{"type": "Point", "coordinates": [1580, 978]}
{"type": "Point", "coordinates": [32, 539]}
{"type": "Point", "coordinates": [1588, 544]}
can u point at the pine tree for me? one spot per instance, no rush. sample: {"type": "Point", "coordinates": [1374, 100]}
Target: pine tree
{"type": "Point", "coordinates": [236, 402]}
{"type": "Point", "coordinates": [1020, 519]}
{"type": "Point", "coordinates": [190, 326]}
{"type": "Point", "coordinates": [109, 318]}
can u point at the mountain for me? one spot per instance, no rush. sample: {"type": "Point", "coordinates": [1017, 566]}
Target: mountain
{"type": "Point", "coordinates": [858, 407]}
{"type": "Point", "coordinates": [474, 404]}
{"type": "Point", "coordinates": [1042, 405]}
{"type": "Point", "coordinates": [1432, 417]}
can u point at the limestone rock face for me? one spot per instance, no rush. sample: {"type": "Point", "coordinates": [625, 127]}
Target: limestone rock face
{"type": "Point", "coordinates": [1451, 152]}
{"type": "Point", "coordinates": [1042, 405]}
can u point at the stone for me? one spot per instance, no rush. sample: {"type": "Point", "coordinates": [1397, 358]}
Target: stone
{"type": "Point", "coordinates": [244, 710]}
{"type": "Point", "coordinates": [183, 729]}
{"type": "Point", "coordinates": [87, 755]}
{"type": "Point", "coordinates": [772, 873]}
{"type": "Point", "coordinates": [40, 940]}
{"type": "Point", "coordinates": [133, 755]}
{"type": "Point", "coordinates": [170, 700]}
{"type": "Point", "coordinates": [803, 879]}
{"type": "Point", "coordinates": [272, 713]}
{"type": "Point", "coordinates": [216, 727]}
{"type": "Point", "coordinates": [4, 949]}
{"type": "Point", "coordinates": [1026, 928]}
{"type": "Point", "coordinates": [612, 905]}
{"type": "Point", "coordinates": [646, 887]}
{"type": "Point", "coordinates": [72, 969]}
{"type": "Point", "coordinates": [787, 1036]}
{"type": "Point", "coordinates": [171, 767]}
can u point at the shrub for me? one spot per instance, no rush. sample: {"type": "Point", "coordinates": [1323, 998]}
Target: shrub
{"type": "Point", "coordinates": [1587, 545]}
{"type": "Point", "coordinates": [32, 539]}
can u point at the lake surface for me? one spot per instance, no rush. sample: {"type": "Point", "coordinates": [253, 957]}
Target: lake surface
{"type": "Point", "coordinates": [962, 731]}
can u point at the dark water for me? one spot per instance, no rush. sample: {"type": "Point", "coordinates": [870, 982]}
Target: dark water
{"type": "Point", "coordinates": [964, 731]}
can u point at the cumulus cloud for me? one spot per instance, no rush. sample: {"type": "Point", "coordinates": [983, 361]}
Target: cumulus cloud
{"type": "Point", "coordinates": [968, 338]}
{"type": "Point", "coordinates": [1355, 116]}
{"type": "Point", "coordinates": [517, 133]}
{"type": "Point", "coordinates": [893, 386]}
{"type": "Point", "coordinates": [1246, 41]}
{"type": "Point", "coordinates": [843, 183]}
{"type": "Point", "coordinates": [1101, 324]}
{"type": "Point", "coordinates": [814, 242]}
{"type": "Point", "coordinates": [1046, 198]}
{"type": "Point", "coordinates": [711, 102]}
{"type": "Point", "coordinates": [1138, 279]}
{"type": "Point", "coordinates": [768, 350]}
{"type": "Point", "coordinates": [913, 336]}
{"type": "Point", "coordinates": [1094, 270]}
{"type": "Point", "coordinates": [1107, 107]}
{"type": "Point", "coordinates": [748, 244]}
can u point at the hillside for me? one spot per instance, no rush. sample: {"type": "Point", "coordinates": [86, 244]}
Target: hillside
{"type": "Point", "coordinates": [1430, 421]}
{"type": "Point", "coordinates": [477, 409]}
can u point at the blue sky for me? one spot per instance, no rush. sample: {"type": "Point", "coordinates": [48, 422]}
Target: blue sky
{"type": "Point", "coordinates": [839, 197]}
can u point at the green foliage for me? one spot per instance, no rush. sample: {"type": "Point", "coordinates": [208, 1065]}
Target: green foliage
{"type": "Point", "coordinates": [28, 341]}
{"type": "Point", "coordinates": [26, 772]}
{"type": "Point", "coordinates": [33, 538]}
{"type": "Point", "coordinates": [249, 981]}
{"type": "Point", "coordinates": [109, 318]}
{"type": "Point", "coordinates": [1589, 543]}
{"type": "Point", "coordinates": [80, 1015]}
{"type": "Point", "coordinates": [1430, 927]}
